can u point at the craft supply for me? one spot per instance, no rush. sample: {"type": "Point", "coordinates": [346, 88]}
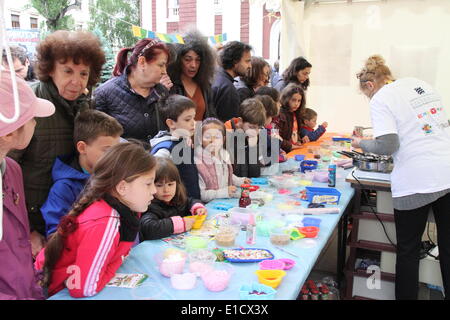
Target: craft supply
{"type": "Point", "coordinates": [260, 181]}
{"type": "Point", "coordinates": [299, 157]}
{"type": "Point", "coordinates": [201, 260]}
{"type": "Point", "coordinates": [185, 281]}
{"type": "Point", "coordinates": [272, 265]}
{"type": "Point", "coordinates": [280, 236]}
{"type": "Point", "coordinates": [194, 243]}
{"type": "Point", "coordinates": [122, 280]}
{"type": "Point", "coordinates": [226, 236]}
{"type": "Point", "coordinates": [288, 263]}
{"type": "Point", "coordinates": [286, 251]}
{"type": "Point", "coordinates": [309, 232]}
{"type": "Point", "coordinates": [171, 264]}
{"type": "Point", "coordinates": [257, 291]}
{"type": "Point", "coordinates": [332, 175]}
{"type": "Point", "coordinates": [218, 278]}
{"type": "Point", "coordinates": [223, 206]}
{"type": "Point", "coordinates": [245, 201]}
{"type": "Point", "coordinates": [247, 255]}
{"type": "Point", "coordinates": [311, 222]}
{"type": "Point", "coordinates": [270, 278]}
{"type": "Point", "coordinates": [251, 230]}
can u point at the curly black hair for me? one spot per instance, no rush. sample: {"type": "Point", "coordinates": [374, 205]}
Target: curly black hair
{"type": "Point", "coordinates": [195, 41]}
{"type": "Point", "coordinates": [290, 74]}
{"type": "Point", "coordinates": [232, 53]}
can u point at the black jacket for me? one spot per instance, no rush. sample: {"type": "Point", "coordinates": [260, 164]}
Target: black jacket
{"type": "Point", "coordinates": [139, 116]}
{"type": "Point", "coordinates": [243, 90]}
{"type": "Point", "coordinates": [156, 222]}
{"type": "Point", "coordinates": [226, 97]}
{"type": "Point", "coordinates": [210, 110]}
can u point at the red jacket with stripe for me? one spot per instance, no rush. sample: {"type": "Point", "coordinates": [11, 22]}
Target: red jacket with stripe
{"type": "Point", "coordinates": [91, 255]}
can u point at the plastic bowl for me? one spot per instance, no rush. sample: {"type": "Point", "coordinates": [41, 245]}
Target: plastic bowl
{"type": "Point", "coordinates": [184, 281]}
{"type": "Point", "coordinates": [280, 236]}
{"type": "Point", "coordinates": [171, 264]}
{"type": "Point", "coordinates": [226, 236]}
{"type": "Point", "coordinates": [241, 215]}
{"type": "Point", "coordinates": [199, 219]}
{"type": "Point", "coordinates": [288, 263]}
{"type": "Point", "coordinates": [201, 260]}
{"type": "Point", "coordinates": [272, 265]}
{"type": "Point", "coordinates": [219, 277]}
{"type": "Point", "coordinates": [309, 232]}
{"type": "Point", "coordinates": [271, 278]}
{"type": "Point", "coordinates": [311, 222]}
{"type": "Point", "coordinates": [195, 243]}
{"type": "Point", "coordinates": [257, 291]}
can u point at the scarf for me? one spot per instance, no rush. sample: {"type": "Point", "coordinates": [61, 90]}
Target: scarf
{"type": "Point", "coordinates": [206, 166]}
{"type": "Point", "coordinates": [129, 220]}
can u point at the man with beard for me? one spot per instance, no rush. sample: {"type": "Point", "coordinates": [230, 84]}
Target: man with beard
{"type": "Point", "coordinates": [235, 58]}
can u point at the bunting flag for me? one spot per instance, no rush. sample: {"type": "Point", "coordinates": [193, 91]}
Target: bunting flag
{"type": "Point", "coordinates": [172, 38]}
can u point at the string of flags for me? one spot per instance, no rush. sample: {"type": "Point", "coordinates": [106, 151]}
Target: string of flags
{"type": "Point", "coordinates": [172, 38]}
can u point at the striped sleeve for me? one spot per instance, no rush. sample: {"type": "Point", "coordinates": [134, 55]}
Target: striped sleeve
{"type": "Point", "coordinates": [94, 251]}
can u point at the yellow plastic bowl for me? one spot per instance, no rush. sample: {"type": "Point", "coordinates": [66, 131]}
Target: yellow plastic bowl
{"type": "Point", "coordinates": [198, 221]}
{"type": "Point", "coordinates": [271, 278]}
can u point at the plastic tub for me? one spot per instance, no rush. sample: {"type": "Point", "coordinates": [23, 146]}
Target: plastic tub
{"type": "Point", "coordinates": [241, 215]}
{"type": "Point", "coordinates": [307, 178]}
{"type": "Point", "coordinates": [271, 278]}
{"type": "Point", "coordinates": [311, 222]}
{"type": "Point", "coordinates": [308, 165]}
{"type": "Point", "coordinates": [219, 277]}
{"type": "Point", "coordinates": [288, 263]}
{"type": "Point", "coordinates": [282, 182]}
{"type": "Point", "coordinates": [309, 232]}
{"type": "Point", "coordinates": [201, 260]}
{"type": "Point", "coordinates": [195, 243]}
{"type": "Point", "coordinates": [323, 195]}
{"type": "Point", "coordinates": [272, 265]}
{"type": "Point", "coordinates": [280, 236]}
{"type": "Point", "coordinates": [171, 264]}
{"type": "Point", "coordinates": [257, 291]}
{"type": "Point", "coordinates": [184, 281]}
{"type": "Point", "coordinates": [227, 234]}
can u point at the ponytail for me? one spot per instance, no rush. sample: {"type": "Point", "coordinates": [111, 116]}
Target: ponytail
{"type": "Point", "coordinates": [122, 61]}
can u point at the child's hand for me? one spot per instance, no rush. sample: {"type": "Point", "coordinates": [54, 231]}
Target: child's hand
{"type": "Point", "coordinates": [231, 190]}
{"type": "Point", "coordinates": [247, 181]}
{"type": "Point", "coordinates": [201, 211]}
{"type": "Point", "coordinates": [305, 139]}
{"type": "Point", "coordinates": [188, 223]}
{"type": "Point", "coordinates": [325, 124]}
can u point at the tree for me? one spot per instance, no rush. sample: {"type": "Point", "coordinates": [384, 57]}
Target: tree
{"type": "Point", "coordinates": [111, 17]}
{"type": "Point", "coordinates": [108, 67]}
{"type": "Point", "coordinates": [55, 12]}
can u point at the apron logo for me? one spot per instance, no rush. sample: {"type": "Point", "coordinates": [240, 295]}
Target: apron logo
{"type": "Point", "coordinates": [427, 129]}
{"type": "Point", "coordinates": [419, 90]}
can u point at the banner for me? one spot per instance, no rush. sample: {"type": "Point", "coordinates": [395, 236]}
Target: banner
{"type": "Point", "coordinates": [28, 39]}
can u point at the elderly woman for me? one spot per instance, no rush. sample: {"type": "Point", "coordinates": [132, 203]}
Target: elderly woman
{"type": "Point", "coordinates": [133, 96]}
{"type": "Point", "coordinates": [298, 73]}
{"type": "Point", "coordinates": [192, 74]}
{"type": "Point", "coordinates": [258, 77]}
{"type": "Point", "coordinates": [68, 63]}
{"type": "Point", "coordinates": [410, 123]}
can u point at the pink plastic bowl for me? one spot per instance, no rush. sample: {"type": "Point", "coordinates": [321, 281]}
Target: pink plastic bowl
{"type": "Point", "coordinates": [289, 264]}
{"type": "Point", "coordinates": [272, 265]}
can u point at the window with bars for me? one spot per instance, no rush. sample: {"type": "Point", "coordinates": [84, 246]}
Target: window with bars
{"type": "Point", "coordinates": [217, 7]}
{"type": "Point", "coordinates": [173, 9]}
{"type": "Point", "coordinates": [15, 21]}
{"type": "Point", "coordinates": [33, 23]}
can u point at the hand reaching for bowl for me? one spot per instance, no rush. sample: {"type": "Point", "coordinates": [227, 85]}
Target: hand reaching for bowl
{"type": "Point", "coordinates": [188, 223]}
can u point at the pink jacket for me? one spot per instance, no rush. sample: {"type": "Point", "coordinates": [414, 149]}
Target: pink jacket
{"type": "Point", "coordinates": [91, 255]}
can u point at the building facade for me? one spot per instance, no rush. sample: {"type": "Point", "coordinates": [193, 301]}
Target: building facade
{"type": "Point", "coordinates": [252, 21]}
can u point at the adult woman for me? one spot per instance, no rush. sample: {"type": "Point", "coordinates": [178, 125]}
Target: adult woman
{"type": "Point", "coordinates": [134, 94]}
{"type": "Point", "coordinates": [258, 77]}
{"type": "Point", "coordinates": [298, 72]}
{"type": "Point", "coordinates": [68, 63]}
{"type": "Point", "coordinates": [410, 123]}
{"type": "Point", "coordinates": [192, 74]}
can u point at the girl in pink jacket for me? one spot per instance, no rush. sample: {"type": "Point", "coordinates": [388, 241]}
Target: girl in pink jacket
{"type": "Point", "coordinates": [93, 240]}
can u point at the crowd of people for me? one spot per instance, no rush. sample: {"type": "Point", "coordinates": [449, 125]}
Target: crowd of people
{"type": "Point", "coordinates": [90, 170]}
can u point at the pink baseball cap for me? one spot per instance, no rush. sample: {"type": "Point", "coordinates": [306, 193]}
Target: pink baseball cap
{"type": "Point", "coordinates": [30, 106]}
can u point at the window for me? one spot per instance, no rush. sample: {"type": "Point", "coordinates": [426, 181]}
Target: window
{"type": "Point", "coordinates": [15, 21]}
{"type": "Point", "coordinates": [217, 7]}
{"type": "Point", "coordinates": [173, 10]}
{"type": "Point", "coordinates": [33, 23]}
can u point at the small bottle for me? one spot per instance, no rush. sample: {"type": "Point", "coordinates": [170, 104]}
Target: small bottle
{"type": "Point", "coordinates": [332, 175]}
{"type": "Point", "coordinates": [314, 294]}
{"type": "Point", "coordinates": [245, 200]}
{"type": "Point", "coordinates": [325, 293]}
{"type": "Point", "coordinates": [305, 293]}
{"type": "Point", "coordinates": [251, 230]}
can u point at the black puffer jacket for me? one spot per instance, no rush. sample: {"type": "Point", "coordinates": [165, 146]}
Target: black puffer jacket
{"type": "Point", "coordinates": [139, 116]}
{"type": "Point", "coordinates": [210, 110]}
{"type": "Point", "coordinates": [156, 223]}
{"type": "Point", "coordinates": [243, 90]}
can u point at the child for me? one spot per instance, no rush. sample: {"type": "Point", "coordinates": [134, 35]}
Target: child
{"type": "Point", "coordinates": [271, 92]}
{"type": "Point", "coordinates": [289, 120]}
{"type": "Point", "coordinates": [273, 138]}
{"type": "Point", "coordinates": [216, 178]}
{"type": "Point", "coordinates": [94, 133]}
{"type": "Point", "coordinates": [18, 279]}
{"type": "Point", "coordinates": [309, 123]}
{"type": "Point", "coordinates": [92, 241]}
{"type": "Point", "coordinates": [166, 214]}
{"type": "Point", "coordinates": [178, 113]}
{"type": "Point", "coordinates": [242, 136]}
